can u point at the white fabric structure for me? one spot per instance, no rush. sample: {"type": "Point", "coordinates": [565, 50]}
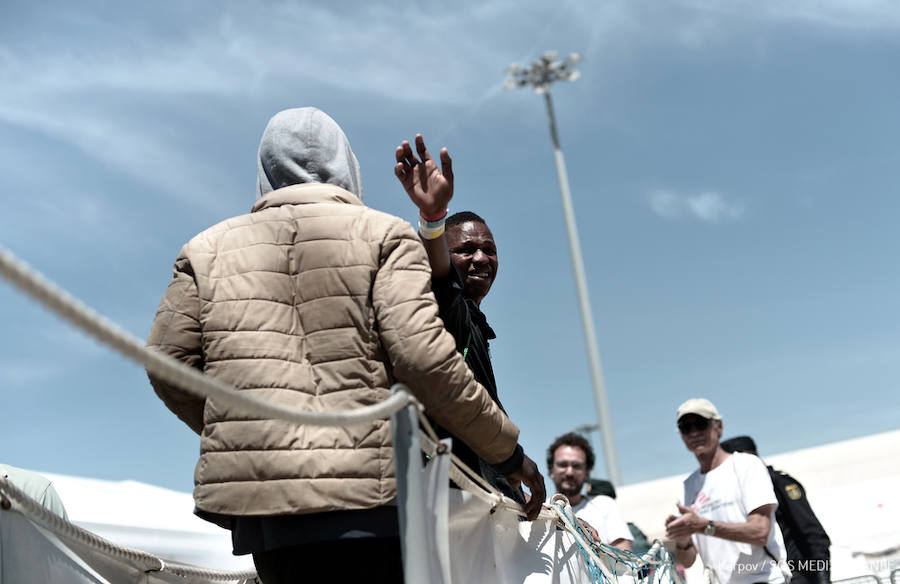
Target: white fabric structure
{"type": "Point", "coordinates": [148, 518]}
{"type": "Point", "coordinates": [30, 554]}
{"type": "Point", "coordinates": [490, 547]}
{"type": "Point", "coordinates": [39, 546]}
{"type": "Point", "coordinates": [470, 541]}
{"type": "Point", "coordinates": [852, 486]}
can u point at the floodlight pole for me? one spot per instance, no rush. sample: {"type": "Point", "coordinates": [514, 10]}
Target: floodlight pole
{"type": "Point", "coordinates": [588, 431]}
{"type": "Point", "coordinates": [541, 75]}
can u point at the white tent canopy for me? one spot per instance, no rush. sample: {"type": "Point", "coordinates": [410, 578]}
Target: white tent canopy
{"type": "Point", "coordinates": [148, 518]}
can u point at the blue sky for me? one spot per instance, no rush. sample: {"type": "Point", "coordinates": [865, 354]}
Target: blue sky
{"type": "Point", "coordinates": [734, 169]}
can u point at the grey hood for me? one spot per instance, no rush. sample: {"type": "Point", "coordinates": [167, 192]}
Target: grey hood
{"type": "Point", "coordinates": [304, 145]}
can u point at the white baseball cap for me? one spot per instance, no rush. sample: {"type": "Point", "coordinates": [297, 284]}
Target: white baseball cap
{"type": "Point", "coordinates": [700, 407]}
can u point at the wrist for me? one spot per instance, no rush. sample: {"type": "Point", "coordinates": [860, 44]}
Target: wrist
{"type": "Point", "coordinates": [709, 529]}
{"type": "Point", "coordinates": [433, 216]}
{"type": "Point", "coordinates": [511, 464]}
{"type": "Point", "coordinates": [432, 226]}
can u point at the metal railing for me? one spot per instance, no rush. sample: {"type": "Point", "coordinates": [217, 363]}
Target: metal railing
{"type": "Point", "coordinates": [864, 579]}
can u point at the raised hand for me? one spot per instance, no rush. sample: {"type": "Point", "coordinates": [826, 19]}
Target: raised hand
{"type": "Point", "coordinates": [429, 188]}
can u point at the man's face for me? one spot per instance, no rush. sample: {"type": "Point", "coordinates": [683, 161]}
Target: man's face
{"type": "Point", "coordinates": [473, 251]}
{"type": "Point", "coordinates": [700, 435]}
{"type": "Point", "coordinates": [569, 471]}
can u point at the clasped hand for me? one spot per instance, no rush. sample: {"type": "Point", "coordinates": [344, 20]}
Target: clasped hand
{"type": "Point", "coordinates": [683, 526]}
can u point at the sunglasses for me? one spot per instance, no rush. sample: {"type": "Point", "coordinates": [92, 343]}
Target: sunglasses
{"type": "Point", "coordinates": [700, 423]}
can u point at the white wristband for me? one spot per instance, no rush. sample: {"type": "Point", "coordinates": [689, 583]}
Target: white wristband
{"type": "Point", "coordinates": [431, 229]}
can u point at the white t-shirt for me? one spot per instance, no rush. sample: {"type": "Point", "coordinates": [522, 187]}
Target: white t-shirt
{"type": "Point", "coordinates": [604, 515]}
{"type": "Point", "coordinates": [728, 493]}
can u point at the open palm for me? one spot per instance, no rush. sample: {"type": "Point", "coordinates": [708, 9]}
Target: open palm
{"type": "Point", "coordinates": [429, 187]}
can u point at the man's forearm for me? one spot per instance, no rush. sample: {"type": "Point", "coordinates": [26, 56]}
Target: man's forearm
{"type": "Point", "coordinates": [438, 256]}
{"type": "Point", "coordinates": [754, 532]}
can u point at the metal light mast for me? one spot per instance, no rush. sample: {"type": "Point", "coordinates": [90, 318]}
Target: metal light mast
{"type": "Point", "coordinates": [540, 75]}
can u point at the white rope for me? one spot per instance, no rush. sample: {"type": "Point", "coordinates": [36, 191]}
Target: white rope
{"type": "Point", "coordinates": [144, 561]}
{"type": "Point", "coordinates": [172, 370]}
{"type": "Point", "coordinates": [560, 504]}
{"type": "Point", "coordinates": [654, 556]}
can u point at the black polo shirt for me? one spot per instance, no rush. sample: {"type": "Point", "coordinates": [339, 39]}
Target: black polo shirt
{"type": "Point", "coordinates": [469, 327]}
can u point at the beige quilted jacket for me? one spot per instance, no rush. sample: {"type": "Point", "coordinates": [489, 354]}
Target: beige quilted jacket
{"type": "Point", "coordinates": [316, 301]}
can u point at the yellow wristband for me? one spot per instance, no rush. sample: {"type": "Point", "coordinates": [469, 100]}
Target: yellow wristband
{"type": "Point", "coordinates": [431, 233]}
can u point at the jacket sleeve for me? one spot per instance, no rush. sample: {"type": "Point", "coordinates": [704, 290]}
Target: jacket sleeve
{"type": "Point", "coordinates": [176, 332]}
{"type": "Point", "coordinates": [805, 527]}
{"type": "Point", "coordinates": [423, 355]}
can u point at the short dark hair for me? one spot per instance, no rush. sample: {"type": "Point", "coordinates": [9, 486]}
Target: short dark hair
{"type": "Point", "coordinates": [573, 439]}
{"type": "Point", "coordinates": [462, 217]}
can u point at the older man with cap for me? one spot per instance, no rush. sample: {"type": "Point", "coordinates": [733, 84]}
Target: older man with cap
{"type": "Point", "coordinates": [727, 514]}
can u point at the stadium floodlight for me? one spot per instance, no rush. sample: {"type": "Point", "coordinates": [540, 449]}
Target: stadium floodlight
{"type": "Point", "coordinates": [542, 73]}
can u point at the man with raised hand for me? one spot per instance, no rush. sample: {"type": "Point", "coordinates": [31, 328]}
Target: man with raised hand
{"type": "Point", "coordinates": [727, 514]}
{"type": "Point", "coordinates": [464, 262]}
{"type": "Point", "coordinates": [315, 301]}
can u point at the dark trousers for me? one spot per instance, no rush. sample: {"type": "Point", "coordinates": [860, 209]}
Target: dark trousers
{"type": "Point", "coordinates": [353, 561]}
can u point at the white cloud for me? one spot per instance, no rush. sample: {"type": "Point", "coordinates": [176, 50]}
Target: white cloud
{"type": "Point", "coordinates": [700, 24]}
{"type": "Point", "coordinates": [92, 94]}
{"type": "Point", "coordinates": [707, 206]}
{"type": "Point", "coordinates": [128, 145]}
{"type": "Point", "coordinates": [25, 374]}
{"type": "Point", "coordinates": [247, 51]}
{"type": "Point", "coordinates": [428, 56]}
{"type": "Point", "coordinates": [837, 14]}
{"type": "Point", "coordinates": [421, 56]}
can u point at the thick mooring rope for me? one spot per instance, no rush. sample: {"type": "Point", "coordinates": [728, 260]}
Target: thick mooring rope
{"type": "Point", "coordinates": [147, 562]}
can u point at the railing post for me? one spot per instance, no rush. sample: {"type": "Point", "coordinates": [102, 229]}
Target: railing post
{"type": "Point", "coordinates": [414, 537]}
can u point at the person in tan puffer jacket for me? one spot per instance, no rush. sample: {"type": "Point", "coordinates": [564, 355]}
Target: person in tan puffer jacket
{"type": "Point", "coordinates": [316, 301]}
